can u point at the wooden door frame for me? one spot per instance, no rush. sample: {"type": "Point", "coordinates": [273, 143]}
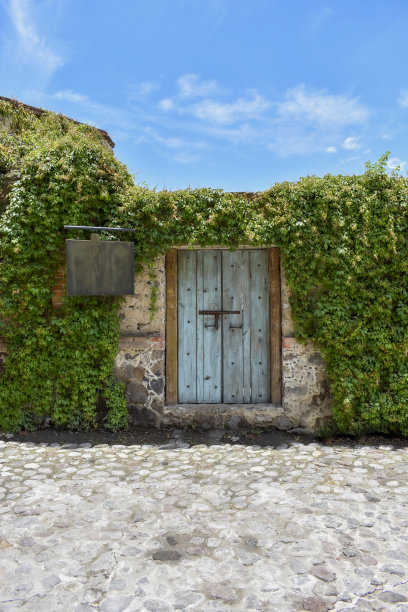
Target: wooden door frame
{"type": "Point", "coordinates": [172, 324]}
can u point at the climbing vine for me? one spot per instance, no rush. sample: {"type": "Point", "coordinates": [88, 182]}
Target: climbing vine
{"type": "Point", "coordinates": [60, 361]}
{"type": "Point", "coordinates": [344, 248]}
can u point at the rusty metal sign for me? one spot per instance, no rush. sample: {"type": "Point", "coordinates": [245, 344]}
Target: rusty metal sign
{"type": "Point", "coordinates": [100, 267]}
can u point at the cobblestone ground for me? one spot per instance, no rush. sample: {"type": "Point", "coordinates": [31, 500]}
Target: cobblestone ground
{"type": "Point", "coordinates": [203, 528]}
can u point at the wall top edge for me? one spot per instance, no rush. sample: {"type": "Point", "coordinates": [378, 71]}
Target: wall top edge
{"type": "Point", "coordinates": [223, 248]}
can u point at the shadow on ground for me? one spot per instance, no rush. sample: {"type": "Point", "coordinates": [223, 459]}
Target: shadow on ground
{"type": "Point", "coordinates": [163, 437]}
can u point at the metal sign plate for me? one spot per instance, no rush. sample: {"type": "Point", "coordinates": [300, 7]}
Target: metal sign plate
{"type": "Point", "coordinates": [100, 267]}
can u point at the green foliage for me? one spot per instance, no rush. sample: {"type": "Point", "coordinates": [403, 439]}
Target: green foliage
{"type": "Point", "coordinates": [344, 248]}
{"type": "Point", "coordinates": [118, 417]}
{"type": "Point", "coordinates": [58, 360]}
{"type": "Point", "coordinates": [345, 254]}
{"type": "Point", "coordinates": [154, 291]}
{"type": "Point", "coordinates": [344, 240]}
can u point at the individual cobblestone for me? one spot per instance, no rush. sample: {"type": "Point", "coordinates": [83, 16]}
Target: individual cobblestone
{"type": "Point", "coordinates": [203, 528]}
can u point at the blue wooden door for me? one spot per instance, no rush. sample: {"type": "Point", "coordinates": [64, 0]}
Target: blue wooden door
{"type": "Point", "coordinates": [225, 357]}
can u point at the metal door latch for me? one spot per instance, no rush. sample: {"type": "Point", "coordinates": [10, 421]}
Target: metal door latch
{"type": "Point", "coordinates": [217, 314]}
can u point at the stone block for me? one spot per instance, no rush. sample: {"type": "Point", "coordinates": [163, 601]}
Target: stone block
{"type": "Point", "coordinates": [126, 371]}
{"type": "Point", "coordinates": [157, 385]}
{"type": "Point", "coordinates": [140, 416]}
{"type": "Point", "coordinates": [136, 392]}
{"type": "Point", "coordinates": [157, 404]}
{"type": "Point", "coordinates": [135, 314]}
{"type": "Point", "coordinates": [283, 423]}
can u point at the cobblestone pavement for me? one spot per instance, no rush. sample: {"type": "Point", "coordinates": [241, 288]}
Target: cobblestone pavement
{"type": "Point", "coordinates": [203, 528]}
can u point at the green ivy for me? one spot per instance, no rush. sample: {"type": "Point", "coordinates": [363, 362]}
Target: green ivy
{"type": "Point", "coordinates": [344, 249]}
{"type": "Point", "coordinates": [59, 360]}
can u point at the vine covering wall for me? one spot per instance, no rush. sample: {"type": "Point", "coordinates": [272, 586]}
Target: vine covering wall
{"type": "Point", "coordinates": [344, 248]}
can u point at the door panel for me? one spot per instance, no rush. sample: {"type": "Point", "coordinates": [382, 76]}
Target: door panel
{"type": "Point", "coordinates": [209, 336]}
{"type": "Point", "coordinates": [230, 362]}
{"type": "Point", "coordinates": [259, 326]}
{"type": "Point", "coordinates": [187, 326]}
{"type": "Point", "coordinates": [235, 329]}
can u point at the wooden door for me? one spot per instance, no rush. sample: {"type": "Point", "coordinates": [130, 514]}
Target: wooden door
{"type": "Point", "coordinates": [223, 358]}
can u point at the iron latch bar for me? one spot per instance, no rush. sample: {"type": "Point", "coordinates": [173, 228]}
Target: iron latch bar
{"type": "Point", "coordinates": [217, 314]}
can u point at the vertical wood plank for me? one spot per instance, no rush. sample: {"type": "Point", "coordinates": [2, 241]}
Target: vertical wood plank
{"type": "Point", "coordinates": [260, 333]}
{"type": "Point", "coordinates": [246, 328]}
{"type": "Point", "coordinates": [209, 339]}
{"type": "Point", "coordinates": [187, 327]}
{"type": "Point", "coordinates": [235, 271]}
{"type": "Point", "coordinates": [275, 323]}
{"type": "Point", "coordinates": [171, 327]}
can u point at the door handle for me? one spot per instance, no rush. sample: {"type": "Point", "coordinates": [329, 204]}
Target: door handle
{"type": "Point", "coordinates": [215, 324]}
{"type": "Point", "coordinates": [240, 325]}
{"type": "Point", "coordinates": [217, 314]}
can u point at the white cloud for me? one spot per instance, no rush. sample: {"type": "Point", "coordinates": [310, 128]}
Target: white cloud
{"type": "Point", "coordinates": [186, 125]}
{"type": "Point", "coordinates": [145, 88]}
{"type": "Point", "coordinates": [178, 149]}
{"type": "Point", "coordinates": [396, 164]}
{"type": "Point", "coordinates": [33, 48]}
{"type": "Point", "coordinates": [322, 108]}
{"type": "Point", "coordinates": [403, 99]}
{"type": "Point", "coordinates": [166, 104]}
{"type": "Point", "coordinates": [286, 140]}
{"type": "Point", "coordinates": [351, 143]}
{"type": "Point", "coordinates": [216, 112]}
{"type": "Point", "coordinates": [308, 121]}
{"type": "Point", "coordinates": [319, 20]}
{"type": "Point", "coordinates": [210, 109]}
{"type": "Point", "coordinates": [302, 121]}
{"type": "Point", "coordinates": [110, 118]}
{"type": "Point", "coordinates": [239, 133]}
{"type": "Point", "coordinates": [70, 96]}
{"type": "Point", "coordinates": [190, 86]}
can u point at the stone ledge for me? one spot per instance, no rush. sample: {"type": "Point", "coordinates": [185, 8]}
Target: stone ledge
{"type": "Point", "coordinates": [232, 416]}
{"type": "Point", "coordinates": [291, 343]}
{"type": "Point", "coordinates": [141, 343]}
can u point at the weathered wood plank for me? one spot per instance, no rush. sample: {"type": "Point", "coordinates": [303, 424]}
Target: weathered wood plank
{"type": "Point", "coordinates": [171, 327]}
{"type": "Point", "coordinates": [275, 324]}
{"type": "Point", "coordinates": [187, 326]}
{"type": "Point", "coordinates": [260, 332]}
{"type": "Point", "coordinates": [235, 275]}
{"type": "Point", "coordinates": [246, 329]}
{"type": "Point", "coordinates": [209, 339]}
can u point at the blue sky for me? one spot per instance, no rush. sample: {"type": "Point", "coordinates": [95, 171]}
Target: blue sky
{"type": "Point", "coordinates": [236, 94]}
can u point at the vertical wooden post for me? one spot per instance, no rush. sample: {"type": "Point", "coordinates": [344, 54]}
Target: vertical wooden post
{"type": "Point", "coordinates": [171, 327]}
{"type": "Point", "coordinates": [276, 327]}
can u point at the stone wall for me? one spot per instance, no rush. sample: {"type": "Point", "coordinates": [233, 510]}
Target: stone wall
{"type": "Point", "coordinates": [305, 385]}
{"type": "Point", "coordinates": [140, 363]}
{"type": "Point", "coordinates": [141, 358]}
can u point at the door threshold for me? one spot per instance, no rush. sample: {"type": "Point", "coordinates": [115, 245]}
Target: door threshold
{"type": "Point", "coordinates": [260, 406]}
{"type": "Point", "coordinates": [224, 416]}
